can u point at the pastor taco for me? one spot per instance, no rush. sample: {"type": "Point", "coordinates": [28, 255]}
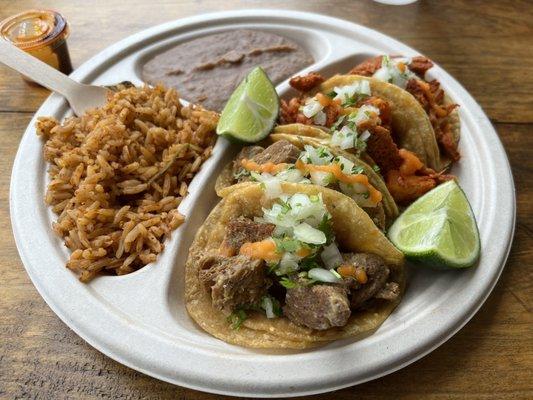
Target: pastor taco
{"type": "Point", "coordinates": [295, 271]}
{"type": "Point", "coordinates": [376, 121]}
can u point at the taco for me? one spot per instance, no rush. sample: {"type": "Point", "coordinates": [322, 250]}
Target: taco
{"type": "Point", "coordinates": [294, 271]}
{"type": "Point", "coordinates": [376, 121]}
{"type": "Point", "coordinates": [409, 74]}
{"type": "Point", "coordinates": [304, 159]}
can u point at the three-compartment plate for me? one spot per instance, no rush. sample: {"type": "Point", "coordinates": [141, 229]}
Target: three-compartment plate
{"type": "Point", "coordinates": [140, 319]}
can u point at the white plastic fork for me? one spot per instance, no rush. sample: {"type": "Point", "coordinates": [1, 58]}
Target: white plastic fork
{"type": "Point", "coordinates": [81, 97]}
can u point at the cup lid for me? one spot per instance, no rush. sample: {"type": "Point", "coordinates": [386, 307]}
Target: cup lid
{"type": "Point", "coordinates": [33, 28]}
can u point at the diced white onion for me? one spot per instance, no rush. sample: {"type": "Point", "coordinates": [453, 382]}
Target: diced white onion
{"type": "Point", "coordinates": [346, 165]}
{"type": "Point", "coordinates": [268, 306]}
{"type": "Point", "coordinates": [331, 256]}
{"type": "Point", "coordinates": [320, 118]}
{"type": "Point", "coordinates": [332, 270]}
{"type": "Point", "coordinates": [301, 210]}
{"type": "Point", "coordinates": [290, 175]}
{"type": "Point", "coordinates": [364, 136]}
{"type": "Point", "coordinates": [389, 72]}
{"type": "Point", "coordinates": [382, 74]}
{"type": "Point", "coordinates": [307, 210]}
{"type": "Point", "coordinates": [345, 138]}
{"type": "Point", "coordinates": [307, 234]}
{"type": "Point", "coordinates": [322, 157]}
{"type": "Point", "coordinates": [287, 264]}
{"type": "Point", "coordinates": [358, 192]}
{"type": "Point", "coordinates": [322, 275]}
{"type": "Point", "coordinates": [345, 93]}
{"type": "Point", "coordinates": [321, 178]}
{"type": "Point", "coordinates": [272, 188]}
{"type": "Point", "coordinates": [273, 215]}
{"type": "Point", "coordinates": [311, 107]}
{"type": "Point", "coordinates": [361, 114]}
{"type": "Point", "coordinates": [364, 87]}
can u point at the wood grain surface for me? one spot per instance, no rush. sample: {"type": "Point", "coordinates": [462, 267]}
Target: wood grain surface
{"type": "Point", "coordinates": [486, 45]}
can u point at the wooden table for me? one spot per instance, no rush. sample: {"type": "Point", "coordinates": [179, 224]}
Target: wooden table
{"type": "Point", "coordinates": [487, 46]}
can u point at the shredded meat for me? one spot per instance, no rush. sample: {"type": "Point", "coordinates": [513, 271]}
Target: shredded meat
{"type": "Point", "coordinates": [233, 282]}
{"type": "Point", "coordinates": [241, 230]}
{"type": "Point", "coordinates": [304, 83]}
{"type": "Point", "coordinates": [419, 65]}
{"type": "Point", "coordinates": [382, 149]}
{"type": "Point", "coordinates": [447, 142]}
{"type": "Point", "coordinates": [332, 113]}
{"type": "Point", "coordinates": [406, 189]}
{"type": "Point", "coordinates": [431, 96]}
{"type": "Point", "coordinates": [367, 67]}
{"type": "Point", "coordinates": [415, 88]}
{"type": "Point", "coordinates": [318, 306]}
{"type": "Point", "coordinates": [290, 112]}
{"type": "Point", "coordinates": [385, 113]}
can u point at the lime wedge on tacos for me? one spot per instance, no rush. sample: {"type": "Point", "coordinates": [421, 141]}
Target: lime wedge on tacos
{"type": "Point", "coordinates": [252, 109]}
{"type": "Point", "coordinates": [439, 229]}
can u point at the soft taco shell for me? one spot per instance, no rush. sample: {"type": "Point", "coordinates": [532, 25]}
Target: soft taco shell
{"type": "Point", "coordinates": [455, 126]}
{"type": "Point", "coordinates": [303, 130]}
{"type": "Point", "coordinates": [409, 120]}
{"type": "Point", "coordinates": [355, 232]}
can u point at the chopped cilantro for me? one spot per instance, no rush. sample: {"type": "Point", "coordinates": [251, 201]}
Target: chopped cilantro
{"type": "Point", "coordinates": [358, 169]}
{"type": "Point", "coordinates": [285, 207]}
{"type": "Point", "coordinates": [361, 145]}
{"type": "Point", "coordinates": [309, 263]}
{"type": "Point", "coordinates": [354, 99]}
{"type": "Point", "coordinates": [349, 102]}
{"type": "Point", "coordinates": [376, 168]}
{"type": "Point", "coordinates": [322, 152]}
{"type": "Point", "coordinates": [286, 244]}
{"type": "Point", "coordinates": [287, 283]}
{"type": "Point", "coordinates": [272, 267]}
{"type": "Point", "coordinates": [366, 195]}
{"type": "Point", "coordinates": [325, 226]}
{"type": "Point", "coordinates": [236, 318]}
{"type": "Point", "coordinates": [339, 121]}
{"type": "Point", "coordinates": [276, 307]}
{"type": "Point", "coordinates": [242, 173]}
{"type": "Point", "coordinates": [332, 94]}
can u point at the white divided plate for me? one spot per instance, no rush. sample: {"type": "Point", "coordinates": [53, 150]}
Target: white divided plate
{"type": "Point", "coordinates": [140, 319]}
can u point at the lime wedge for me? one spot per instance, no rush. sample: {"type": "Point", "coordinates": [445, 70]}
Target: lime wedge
{"type": "Point", "coordinates": [439, 229]}
{"type": "Point", "coordinates": [252, 109]}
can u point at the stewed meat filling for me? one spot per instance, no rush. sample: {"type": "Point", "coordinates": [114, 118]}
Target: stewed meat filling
{"type": "Point", "coordinates": [279, 152]}
{"type": "Point", "coordinates": [234, 282]}
{"type": "Point", "coordinates": [317, 306]}
{"type": "Point", "coordinates": [237, 282]}
{"type": "Point", "coordinates": [241, 230]}
{"type": "Point", "coordinates": [377, 274]}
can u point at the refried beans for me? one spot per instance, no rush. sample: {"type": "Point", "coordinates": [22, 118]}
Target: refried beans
{"type": "Point", "coordinates": [207, 70]}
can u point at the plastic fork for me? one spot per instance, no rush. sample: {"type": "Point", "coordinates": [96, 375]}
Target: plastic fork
{"type": "Point", "coordinates": [81, 97]}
